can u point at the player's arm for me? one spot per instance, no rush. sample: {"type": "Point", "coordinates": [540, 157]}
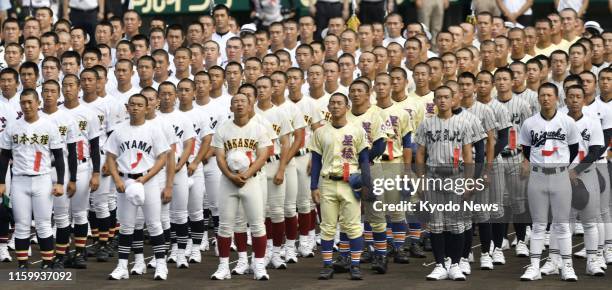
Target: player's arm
{"type": "Point", "coordinates": [315, 170]}
{"type": "Point", "coordinates": [157, 166]}
{"type": "Point", "coordinates": [72, 161]}
{"type": "Point", "coordinates": [594, 152]}
{"type": "Point", "coordinates": [58, 154]}
{"type": "Point", "coordinates": [5, 157]}
{"type": "Point", "coordinates": [502, 141]}
{"type": "Point", "coordinates": [204, 149]}
{"type": "Point", "coordinates": [364, 165]}
{"type": "Point", "coordinates": [187, 145]}
{"type": "Point", "coordinates": [573, 149]}
{"type": "Point", "coordinates": [284, 154]}
{"type": "Point", "coordinates": [111, 164]}
{"type": "Point", "coordinates": [378, 148]}
{"type": "Point", "coordinates": [316, 126]}
{"type": "Point", "coordinates": [170, 165]}
{"type": "Point", "coordinates": [479, 157]}
{"type": "Point", "coordinates": [490, 147]}
{"type": "Point", "coordinates": [262, 156]}
{"type": "Point", "coordinates": [94, 182]}
{"type": "Point", "coordinates": [420, 159]}
{"type": "Point", "coordinates": [407, 149]}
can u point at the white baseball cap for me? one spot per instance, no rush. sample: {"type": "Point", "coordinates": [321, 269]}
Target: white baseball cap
{"type": "Point", "coordinates": [238, 161]}
{"type": "Point", "coordinates": [593, 24]}
{"type": "Point", "coordinates": [134, 192]}
{"type": "Point", "coordinates": [249, 27]}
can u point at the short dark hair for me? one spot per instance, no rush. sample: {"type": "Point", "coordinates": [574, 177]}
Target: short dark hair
{"type": "Point", "coordinates": [548, 85]}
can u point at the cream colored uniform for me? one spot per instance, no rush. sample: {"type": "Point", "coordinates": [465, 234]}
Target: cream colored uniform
{"type": "Point", "coordinates": [322, 102]}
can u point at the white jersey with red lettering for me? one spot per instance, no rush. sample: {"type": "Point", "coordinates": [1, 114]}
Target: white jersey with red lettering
{"type": "Point", "coordinates": [89, 128]}
{"type": "Point", "coordinates": [549, 139]}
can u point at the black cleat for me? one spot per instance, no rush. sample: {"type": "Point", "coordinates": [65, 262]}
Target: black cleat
{"type": "Point", "coordinates": [58, 263]}
{"type": "Point", "coordinates": [109, 250]}
{"type": "Point", "coordinates": [326, 273]}
{"type": "Point", "coordinates": [356, 273]}
{"type": "Point", "coordinates": [416, 251]}
{"type": "Point", "coordinates": [379, 264]}
{"type": "Point", "coordinates": [79, 262]}
{"type": "Point", "coordinates": [102, 255]}
{"type": "Point", "coordinates": [390, 250]}
{"type": "Point", "coordinates": [92, 251]}
{"type": "Point", "coordinates": [341, 264]}
{"type": "Point", "coordinates": [427, 243]}
{"type": "Point", "coordinates": [401, 257]}
{"type": "Point", "coordinates": [366, 257]}
{"type": "Point", "coordinates": [46, 265]}
{"type": "Point", "coordinates": [23, 266]}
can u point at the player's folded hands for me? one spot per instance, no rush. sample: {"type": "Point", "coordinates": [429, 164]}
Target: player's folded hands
{"type": "Point", "coordinates": [71, 189]}
{"type": "Point", "coordinates": [94, 182]}
{"type": "Point", "coordinates": [120, 185]}
{"type": "Point", "coordinates": [166, 195]}
{"type": "Point", "coordinates": [58, 189]}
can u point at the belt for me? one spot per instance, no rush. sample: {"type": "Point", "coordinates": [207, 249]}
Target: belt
{"type": "Point", "coordinates": [83, 10]}
{"type": "Point", "coordinates": [548, 170]}
{"type": "Point", "coordinates": [273, 158]}
{"type": "Point", "coordinates": [385, 157]}
{"type": "Point", "coordinates": [79, 161]}
{"type": "Point", "coordinates": [510, 153]}
{"type": "Point", "coordinates": [131, 175]}
{"type": "Point", "coordinates": [302, 152]}
{"type": "Point", "coordinates": [334, 177]}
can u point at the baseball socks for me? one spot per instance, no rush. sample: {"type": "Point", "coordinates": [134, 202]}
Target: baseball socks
{"type": "Point", "coordinates": [21, 251]}
{"type": "Point", "coordinates": [197, 234]}
{"type": "Point", "coordinates": [159, 251]}
{"type": "Point", "coordinates": [138, 250]}
{"type": "Point", "coordinates": [278, 234]}
{"type": "Point", "coordinates": [103, 252]}
{"type": "Point", "coordinates": [368, 241]}
{"type": "Point", "coordinates": [125, 244]}
{"type": "Point", "coordinates": [94, 226]}
{"type": "Point", "coordinates": [242, 266]}
{"type": "Point", "coordinates": [62, 242]}
{"type": "Point", "coordinates": [223, 271]}
{"type": "Point", "coordinates": [291, 231]}
{"type": "Point", "coordinates": [46, 252]}
{"type": "Point", "coordinates": [182, 234]}
{"type": "Point", "coordinates": [356, 245]}
{"type": "Point", "coordinates": [80, 241]}
{"type": "Point", "coordinates": [414, 237]}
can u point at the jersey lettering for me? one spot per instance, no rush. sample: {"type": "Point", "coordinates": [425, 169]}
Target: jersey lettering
{"type": "Point", "coordinates": [538, 139]}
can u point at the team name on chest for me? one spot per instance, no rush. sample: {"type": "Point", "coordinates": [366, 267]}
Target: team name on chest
{"type": "Point", "coordinates": [308, 120]}
{"type": "Point", "coordinates": [82, 125]}
{"type": "Point", "coordinates": [136, 144]}
{"type": "Point", "coordinates": [27, 139]}
{"type": "Point", "coordinates": [62, 130]}
{"type": "Point", "coordinates": [240, 143]}
{"type": "Point", "coordinates": [276, 128]}
{"type": "Point", "coordinates": [539, 138]}
{"type": "Point", "coordinates": [445, 135]}
{"type": "Point", "coordinates": [347, 147]}
{"type": "Point", "coordinates": [515, 119]}
{"type": "Point", "coordinates": [586, 135]}
{"type": "Point", "coordinates": [178, 131]}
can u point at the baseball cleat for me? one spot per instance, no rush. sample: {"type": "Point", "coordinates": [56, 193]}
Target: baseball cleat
{"type": "Point", "coordinates": [152, 264]}
{"type": "Point", "coordinates": [581, 253]}
{"type": "Point", "coordinates": [78, 262]}
{"type": "Point", "coordinates": [416, 251]}
{"type": "Point", "coordinates": [531, 274]}
{"type": "Point", "coordinates": [521, 249]}
{"type": "Point", "coordinates": [341, 264]}
{"type": "Point", "coordinates": [242, 267]}
{"type": "Point", "coordinates": [401, 257]}
{"type": "Point", "coordinates": [486, 263]}
{"type": "Point", "coordinates": [355, 272]}
{"type": "Point", "coordinates": [58, 263]}
{"type": "Point", "coordinates": [326, 273]}
{"type": "Point", "coordinates": [92, 250]}
{"type": "Point", "coordinates": [172, 257]}
{"type": "Point", "coordinates": [366, 256]}
{"type": "Point", "coordinates": [204, 246]}
{"type": "Point", "coordinates": [4, 254]}
{"type": "Point", "coordinates": [601, 261]}
{"type": "Point", "coordinates": [567, 273]}
{"type": "Point", "coordinates": [379, 264]}
{"type": "Point", "coordinates": [11, 243]}
{"type": "Point", "coordinates": [505, 245]}
{"type": "Point", "coordinates": [22, 266]}
{"type": "Point", "coordinates": [471, 257]}
{"type": "Point", "coordinates": [34, 240]}
{"type": "Point", "coordinates": [188, 247]}
{"type": "Point", "coordinates": [291, 254]}
{"type": "Point", "coordinates": [438, 273]}
{"type": "Point", "coordinates": [277, 262]}
{"type": "Point", "coordinates": [547, 239]}
{"type": "Point", "coordinates": [259, 270]}
{"type": "Point", "coordinates": [102, 255]}
{"type": "Point", "coordinates": [121, 272]}
{"type": "Point", "coordinates": [196, 256]}
{"type": "Point", "coordinates": [455, 273]}
{"type": "Point", "coordinates": [607, 253]}
{"type": "Point", "coordinates": [181, 261]}
{"type": "Point", "coordinates": [161, 271]}
{"type": "Point", "coordinates": [139, 267]}
{"type": "Point", "coordinates": [498, 257]}
{"type": "Point", "coordinates": [222, 273]}
{"type": "Point", "coordinates": [549, 268]}
{"type": "Point", "coordinates": [465, 267]}
{"type": "Point", "coordinates": [593, 269]}
{"type": "Point", "coordinates": [233, 247]}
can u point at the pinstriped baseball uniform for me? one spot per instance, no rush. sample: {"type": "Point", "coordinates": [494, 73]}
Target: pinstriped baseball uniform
{"type": "Point", "coordinates": [530, 97]}
{"type": "Point", "coordinates": [443, 141]}
{"type": "Point", "coordinates": [519, 111]}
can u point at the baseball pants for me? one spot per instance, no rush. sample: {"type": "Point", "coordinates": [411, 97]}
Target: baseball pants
{"type": "Point", "coordinates": [212, 177]}
{"type": "Point", "coordinates": [127, 212]}
{"type": "Point", "coordinates": [68, 209]}
{"type": "Point", "coordinates": [303, 200]}
{"type": "Point", "coordinates": [376, 218]}
{"type": "Point", "coordinates": [338, 200]}
{"type": "Point", "coordinates": [101, 196]}
{"type": "Point", "coordinates": [251, 199]}
{"type": "Point", "coordinates": [195, 204]}
{"type": "Point", "coordinates": [432, 15]}
{"type": "Point", "coordinates": [32, 196]}
{"type": "Point", "coordinates": [276, 194]}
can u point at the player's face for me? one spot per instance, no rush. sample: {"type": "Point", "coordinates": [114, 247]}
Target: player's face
{"type": "Point", "coordinates": [331, 46]}
{"type": "Point", "coordinates": [264, 89]}
{"type": "Point", "coordinates": [337, 106]}
{"type": "Point", "coordinates": [367, 63]}
{"type": "Point", "coordinates": [365, 36]}
{"type": "Point", "coordinates": [252, 71]}
{"type": "Point", "coordinates": [547, 99]}
{"type": "Point", "coordinates": [558, 64]}
{"type": "Point", "coordinates": [516, 41]}
{"type": "Point", "coordinates": [194, 34]}
{"type": "Point", "coordinates": [123, 72]}
{"type": "Point", "coordinates": [484, 85]}
{"type": "Point", "coordinates": [31, 29]}
{"type": "Point", "coordinates": [533, 72]}
{"type": "Point", "coordinates": [443, 100]}
{"type": "Point", "coordinates": [175, 38]}
{"type": "Point", "coordinates": [137, 108]}
{"type": "Point", "coordinates": [421, 76]}
{"type": "Point", "coordinates": [89, 83]}
{"type": "Point", "coordinates": [589, 84]}
{"type": "Point", "coordinates": [250, 93]}
{"type": "Point", "coordinates": [50, 71]}
{"type": "Point", "coordinates": [315, 76]}
{"type": "Point", "coordinates": [185, 92]}
{"type": "Point", "coordinates": [78, 39]}
{"type": "Point", "coordinates": [394, 26]}
{"type": "Point", "coordinates": [250, 50]}
{"type": "Point", "coordinates": [285, 61]}
{"type": "Point", "coordinates": [151, 101]}
{"type": "Point", "coordinates": [181, 61]}
{"type": "Point", "coordinates": [576, 56]}
{"type": "Point", "coordinates": [382, 87]}
{"type": "Point", "coordinates": [48, 46]}
{"type": "Point", "coordinates": [503, 82]}
{"type": "Point", "coordinates": [216, 79]}
{"type": "Point", "coordinates": [574, 99]}
{"type": "Point", "coordinates": [444, 42]}
{"type": "Point", "coordinates": [348, 42]}
{"type": "Point", "coordinates": [382, 59]}
{"type": "Point", "coordinates": [605, 83]}
{"type": "Point", "coordinates": [413, 52]}
{"type": "Point", "coordinates": [331, 72]}
{"type": "Point", "coordinates": [278, 85]}
{"type": "Point", "coordinates": [303, 58]}
{"type": "Point", "coordinates": [436, 71]}
{"type": "Point", "coordinates": [234, 50]}
{"type": "Point", "coordinates": [145, 70]}
{"type": "Point", "coordinates": [398, 82]}
{"type": "Point", "coordinates": [449, 63]}
{"type": "Point", "coordinates": [157, 40]}
{"type": "Point", "coordinates": [167, 97]}
{"type": "Point", "coordinates": [358, 94]}
{"type": "Point", "coordinates": [294, 81]}
{"type": "Point", "coordinates": [202, 84]}
{"type": "Point", "coordinates": [519, 76]}
{"type": "Point", "coordinates": [70, 88]}
{"type": "Point", "coordinates": [291, 31]}
{"type": "Point", "coordinates": [28, 78]}
{"type": "Point", "coordinates": [70, 66]}
{"type": "Point", "coordinates": [103, 34]}
{"type": "Point", "coordinates": [90, 60]}
{"type": "Point", "coordinates": [29, 105]}
{"type": "Point", "coordinates": [240, 105]}
{"type": "Point", "coordinates": [233, 75]}
{"type": "Point", "coordinates": [8, 83]}
{"type": "Point", "coordinates": [347, 67]}
{"type": "Point", "coordinates": [307, 27]}
{"type": "Point", "coordinates": [466, 87]}
{"type": "Point", "coordinates": [276, 34]}
{"type": "Point", "coordinates": [32, 50]}
{"type": "Point", "coordinates": [50, 94]}
{"type": "Point", "coordinates": [270, 65]}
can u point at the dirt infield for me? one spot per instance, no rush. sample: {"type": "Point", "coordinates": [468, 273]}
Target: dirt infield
{"type": "Point", "coordinates": [304, 276]}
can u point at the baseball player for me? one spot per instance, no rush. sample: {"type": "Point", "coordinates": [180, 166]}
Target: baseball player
{"type": "Point", "coordinates": [313, 118]}
{"type": "Point", "coordinates": [519, 111]}
{"type": "Point", "coordinates": [67, 128]}
{"type": "Point", "coordinates": [603, 102]}
{"type": "Point", "coordinates": [88, 159]}
{"type": "Point", "coordinates": [444, 152]}
{"type": "Point", "coordinates": [183, 129]}
{"type": "Point", "coordinates": [297, 141]}
{"type": "Point", "coordinates": [377, 126]}
{"type": "Point", "coordinates": [241, 147]}
{"type": "Point", "coordinates": [201, 126]}
{"type": "Point", "coordinates": [550, 141]}
{"type": "Point", "coordinates": [135, 153]}
{"type": "Point", "coordinates": [30, 142]}
{"type": "Point", "coordinates": [398, 150]}
{"type": "Point", "coordinates": [316, 89]}
{"type": "Point", "coordinates": [339, 149]}
{"type": "Point", "coordinates": [519, 86]}
{"type": "Point", "coordinates": [275, 169]}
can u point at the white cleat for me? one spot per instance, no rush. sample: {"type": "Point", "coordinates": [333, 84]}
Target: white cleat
{"type": "Point", "coordinates": [304, 248]}
{"type": "Point", "coordinates": [222, 273]}
{"type": "Point", "coordinates": [498, 257]}
{"type": "Point", "coordinates": [593, 268]}
{"type": "Point", "coordinates": [447, 263]}
{"type": "Point", "coordinates": [568, 274]}
{"type": "Point", "coordinates": [486, 263]}
{"type": "Point", "coordinates": [465, 267]}
{"type": "Point", "coordinates": [11, 243]}
{"type": "Point", "coordinates": [161, 272]}
{"type": "Point", "coordinates": [4, 254]}
{"type": "Point", "coordinates": [455, 273]}
{"type": "Point", "coordinates": [277, 262]}
{"type": "Point", "coordinates": [242, 267]}
{"type": "Point", "coordinates": [607, 253]}
{"type": "Point", "coordinates": [259, 270]}
{"type": "Point", "coordinates": [188, 247]}
{"type": "Point", "coordinates": [578, 229]}
{"type": "Point", "coordinates": [204, 246]}
{"type": "Point", "coordinates": [181, 260]}
{"type": "Point", "coordinates": [581, 254]}
{"type": "Point", "coordinates": [121, 272]}
{"type": "Point", "coordinates": [139, 267]}
{"type": "Point", "coordinates": [505, 245]}
{"type": "Point", "coordinates": [549, 268]}
{"type": "Point", "coordinates": [216, 246]}
{"type": "Point", "coordinates": [34, 240]}
{"type": "Point", "coordinates": [172, 256]}
{"type": "Point", "coordinates": [601, 262]}
{"type": "Point", "coordinates": [291, 254]}
{"type": "Point", "coordinates": [531, 274]}
{"type": "Point", "coordinates": [521, 249]}
{"type": "Point", "coordinates": [152, 264]}
{"type": "Point", "coordinates": [471, 257]}
{"type": "Point", "coordinates": [514, 242]}
{"type": "Point", "coordinates": [195, 256]}
{"type": "Point", "coordinates": [438, 273]}
{"type": "Point", "coordinates": [318, 239]}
